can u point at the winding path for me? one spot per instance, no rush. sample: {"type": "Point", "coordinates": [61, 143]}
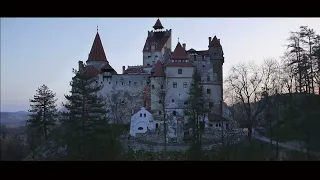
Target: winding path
{"type": "Point", "coordinates": [286, 145]}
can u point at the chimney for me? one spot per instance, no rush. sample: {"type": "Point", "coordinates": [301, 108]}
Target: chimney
{"type": "Point", "coordinates": [209, 40]}
{"type": "Point", "coordinates": [123, 69]}
{"type": "Point", "coordinates": [184, 46]}
{"type": "Point", "coordinates": [80, 65]}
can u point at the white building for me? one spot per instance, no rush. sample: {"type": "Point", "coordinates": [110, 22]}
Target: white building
{"type": "Point", "coordinates": [142, 121]}
{"type": "Point", "coordinates": [162, 70]}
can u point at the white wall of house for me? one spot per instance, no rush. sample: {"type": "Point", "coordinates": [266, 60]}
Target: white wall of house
{"type": "Point", "coordinates": [141, 122]}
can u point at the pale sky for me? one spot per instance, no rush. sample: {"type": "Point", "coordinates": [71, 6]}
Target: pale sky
{"type": "Point", "coordinates": [36, 51]}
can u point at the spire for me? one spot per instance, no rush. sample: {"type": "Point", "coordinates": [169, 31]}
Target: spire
{"type": "Point", "coordinates": [179, 53]}
{"type": "Point", "coordinates": [215, 42]}
{"type": "Point", "coordinates": [158, 25]}
{"type": "Point", "coordinates": [97, 51]}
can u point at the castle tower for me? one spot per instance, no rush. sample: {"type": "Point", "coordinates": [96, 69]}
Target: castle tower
{"type": "Point", "coordinates": [97, 54]}
{"type": "Point", "coordinates": [217, 60]}
{"type": "Point", "coordinates": [179, 72]}
{"type": "Point", "coordinates": [157, 42]}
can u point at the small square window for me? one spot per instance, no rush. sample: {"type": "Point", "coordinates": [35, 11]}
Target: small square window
{"type": "Point", "coordinates": [175, 85]}
{"type": "Point", "coordinates": [208, 91]}
{"type": "Point", "coordinates": [179, 71]}
{"type": "Point", "coordinates": [185, 85]}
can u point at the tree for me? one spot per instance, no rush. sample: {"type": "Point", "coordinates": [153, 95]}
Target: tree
{"type": "Point", "coordinates": [33, 133]}
{"type": "Point", "coordinates": [88, 134]}
{"type": "Point", "coordinates": [161, 91]}
{"type": "Point", "coordinates": [248, 85]}
{"type": "Point", "coordinates": [121, 104]}
{"type": "Point", "coordinates": [198, 109]}
{"type": "Point", "coordinates": [43, 111]}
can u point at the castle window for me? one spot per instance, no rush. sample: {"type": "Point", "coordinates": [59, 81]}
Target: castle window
{"type": "Point", "coordinates": [185, 103]}
{"type": "Point", "coordinates": [208, 78]}
{"type": "Point", "coordinates": [97, 82]}
{"type": "Point", "coordinates": [116, 82]}
{"type": "Point", "coordinates": [179, 71]}
{"type": "Point", "coordinates": [174, 113]}
{"type": "Point", "coordinates": [203, 67]}
{"type": "Point", "coordinates": [109, 82]}
{"type": "Point", "coordinates": [101, 82]}
{"type": "Point", "coordinates": [159, 101]}
{"type": "Point", "coordinates": [144, 115]}
{"type": "Point", "coordinates": [141, 82]}
{"type": "Point", "coordinates": [122, 83]}
{"type": "Point", "coordinates": [152, 86]}
{"type": "Point", "coordinates": [208, 91]}
{"type": "Point", "coordinates": [185, 85]}
{"type": "Point", "coordinates": [175, 85]}
{"type": "Point", "coordinates": [129, 83]}
{"type": "Point", "coordinates": [161, 86]}
{"type": "Point", "coordinates": [172, 100]}
{"type": "Point", "coordinates": [140, 114]}
{"type": "Point", "coordinates": [203, 57]}
{"type": "Point", "coordinates": [140, 128]}
{"type": "Point", "coordinates": [135, 83]}
{"type": "Point", "coordinates": [215, 76]}
{"type": "Point", "coordinates": [149, 57]}
{"type": "Point", "coordinates": [159, 112]}
{"type": "Point", "coordinates": [210, 104]}
{"type": "Point", "coordinates": [156, 56]}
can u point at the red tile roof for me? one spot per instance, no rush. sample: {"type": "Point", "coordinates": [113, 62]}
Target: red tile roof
{"type": "Point", "coordinates": [191, 50]}
{"type": "Point", "coordinates": [134, 70]}
{"type": "Point", "coordinates": [97, 52]}
{"type": "Point", "coordinates": [160, 40]}
{"type": "Point", "coordinates": [92, 71]}
{"type": "Point", "coordinates": [109, 68]}
{"type": "Point", "coordinates": [157, 70]}
{"type": "Point", "coordinates": [158, 25]}
{"type": "Point", "coordinates": [137, 110]}
{"type": "Point", "coordinates": [179, 53]}
{"type": "Point", "coordinates": [203, 52]}
{"type": "Point", "coordinates": [215, 42]}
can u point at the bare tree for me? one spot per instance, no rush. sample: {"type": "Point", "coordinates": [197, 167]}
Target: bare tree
{"type": "Point", "coordinates": [121, 103]}
{"type": "Point", "coordinates": [249, 83]}
{"type": "Point", "coordinates": [161, 93]}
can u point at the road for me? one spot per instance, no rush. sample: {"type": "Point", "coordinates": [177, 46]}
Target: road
{"type": "Point", "coordinates": [286, 145]}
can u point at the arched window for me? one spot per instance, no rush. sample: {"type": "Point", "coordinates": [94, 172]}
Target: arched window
{"type": "Point", "coordinates": [140, 128]}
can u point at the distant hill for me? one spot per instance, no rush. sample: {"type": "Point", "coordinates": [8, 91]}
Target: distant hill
{"type": "Point", "coordinates": [14, 119]}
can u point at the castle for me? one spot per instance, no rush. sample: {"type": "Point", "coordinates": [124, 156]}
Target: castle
{"type": "Point", "coordinates": [164, 79]}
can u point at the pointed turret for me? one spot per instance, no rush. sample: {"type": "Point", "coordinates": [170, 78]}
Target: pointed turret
{"type": "Point", "coordinates": [179, 53]}
{"type": "Point", "coordinates": [158, 25]}
{"type": "Point", "coordinates": [214, 42]}
{"type": "Point", "coordinates": [97, 52]}
{"type": "Point", "coordinates": [157, 70]}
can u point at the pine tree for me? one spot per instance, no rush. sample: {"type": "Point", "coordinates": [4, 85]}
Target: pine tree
{"type": "Point", "coordinates": [88, 133]}
{"type": "Point", "coordinates": [196, 110]}
{"type": "Point", "coordinates": [43, 111]}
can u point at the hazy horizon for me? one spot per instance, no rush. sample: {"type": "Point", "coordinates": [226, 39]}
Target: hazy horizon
{"type": "Point", "coordinates": [36, 51]}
